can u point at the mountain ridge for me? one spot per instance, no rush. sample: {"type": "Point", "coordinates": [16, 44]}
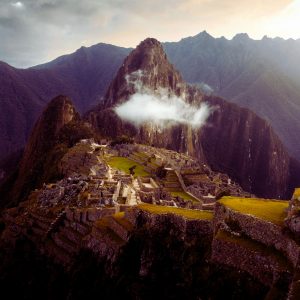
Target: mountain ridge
{"type": "Point", "coordinates": [25, 92]}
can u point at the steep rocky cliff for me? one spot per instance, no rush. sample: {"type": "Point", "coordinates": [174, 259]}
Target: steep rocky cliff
{"type": "Point", "coordinates": [58, 128]}
{"type": "Point", "coordinates": [234, 140]}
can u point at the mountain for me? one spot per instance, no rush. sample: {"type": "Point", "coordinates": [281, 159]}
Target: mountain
{"type": "Point", "coordinates": [235, 141]}
{"type": "Point", "coordinates": [262, 75]}
{"type": "Point", "coordinates": [83, 75]}
{"type": "Point", "coordinates": [58, 128]}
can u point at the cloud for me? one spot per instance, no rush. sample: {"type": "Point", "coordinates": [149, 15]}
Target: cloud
{"type": "Point", "coordinates": [160, 107]}
{"type": "Point", "coordinates": [18, 5]}
{"type": "Point", "coordinates": [36, 31]}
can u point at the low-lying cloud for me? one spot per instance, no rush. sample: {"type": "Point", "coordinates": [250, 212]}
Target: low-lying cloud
{"type": "Point", "coordinates": [159, 107]}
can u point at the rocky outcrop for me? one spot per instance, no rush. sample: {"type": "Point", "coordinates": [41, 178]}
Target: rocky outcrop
{"type": "Point", "coordinates": [254, 156]}
{"type": "Point", "coordinates": [58, 128]}
{"type": "Point", "coordinates": [59, 112]}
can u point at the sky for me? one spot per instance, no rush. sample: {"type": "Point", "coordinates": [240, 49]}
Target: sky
{"type": "Point", "coordinates": [37, 31]}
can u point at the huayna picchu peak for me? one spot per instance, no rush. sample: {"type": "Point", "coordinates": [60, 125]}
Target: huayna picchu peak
{"type": "Point", "coordinates": [159, 190]}
{"type": "Point", "coordinates": [150, 58]}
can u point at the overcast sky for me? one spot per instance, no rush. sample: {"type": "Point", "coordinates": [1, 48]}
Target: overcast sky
{"type": "Point", "coordinates": [36, 31]}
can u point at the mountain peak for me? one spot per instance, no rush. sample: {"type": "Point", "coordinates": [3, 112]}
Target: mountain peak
{"type": "Point", "coordinates": [147, 63]}
{"type": "Point", "coordinates": [241, 37]}
{"type": "Point", "coordinates": [60, 109]}
{"type": "Point", "coordinates": [59, 112]}
{"type": "Point", "coordinates": [204, 34]}
{"type": "Point", "coordinates": [149, 42]}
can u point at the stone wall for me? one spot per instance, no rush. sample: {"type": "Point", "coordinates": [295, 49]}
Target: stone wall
{"type": "Point", "coordinates": [261, 265]}
{"type": "Point", "coordinates": [268, 233]}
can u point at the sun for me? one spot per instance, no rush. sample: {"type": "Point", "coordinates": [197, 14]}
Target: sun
{"type": "Point", "coordinates": [286, 23]}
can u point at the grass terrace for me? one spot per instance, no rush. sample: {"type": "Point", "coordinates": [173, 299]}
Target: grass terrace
{"type": "Point", "coordinates": [187, 213]}
{"type": "Point", "coordinates": [124, 163]}
{"type": "Point", "coordinates": [266, 209]}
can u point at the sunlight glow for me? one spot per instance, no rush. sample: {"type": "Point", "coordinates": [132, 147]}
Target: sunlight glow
{"type": "Point", "coordinates": [287, 22]}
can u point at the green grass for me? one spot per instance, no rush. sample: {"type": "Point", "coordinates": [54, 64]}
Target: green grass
{"type": "Point", "coordinates": [184, 196]}
{"type": "Point", "coordinates": [123, 164]}
{"type": "Point", "coordinates": [296, 193]}
{"type": "Point", "coordinates": [187, 213]}
{"type": "Point", "coordinates": [250, 244]}
{"type": "Point", "coordinates": [269, 210]}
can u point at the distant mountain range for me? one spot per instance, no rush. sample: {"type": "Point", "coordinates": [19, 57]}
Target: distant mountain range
{"type": "Point", "coordinates": [261, 75]}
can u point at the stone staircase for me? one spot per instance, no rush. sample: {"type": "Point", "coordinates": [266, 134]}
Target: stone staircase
{"type": "Point", "coordinates": [171, 182]}
{"type": "Point", "coordinates": [55, 223]}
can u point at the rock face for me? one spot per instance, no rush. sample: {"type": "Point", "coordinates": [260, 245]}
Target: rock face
{"type": "Point", "coordinates": [58, 113]}
{"type": "Point", "coordinates": [239, 143]}
{"type": "Point", "coordinates": [235, 140]}
{"type": "Point", "coordinates": [58, 128]}
{"type": "Point", "coordinates": [262, 75]}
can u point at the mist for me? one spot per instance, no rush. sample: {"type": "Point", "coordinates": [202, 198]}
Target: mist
{"type": "Point", "coordinates": [159, 107]}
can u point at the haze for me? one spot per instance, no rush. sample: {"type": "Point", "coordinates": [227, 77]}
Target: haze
{"type": "Point", "coordinates": [36, 31]}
